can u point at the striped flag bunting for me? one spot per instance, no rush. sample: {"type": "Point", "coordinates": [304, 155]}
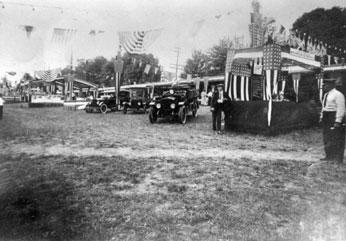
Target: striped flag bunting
{"type": "Point", "coordinates": [241, 69]}
{"type": "Point", "coordinates": [62, 35]}
{"type": "Point", "coordinates": [48, 75]}
{"type": "Point", "coordinates": [238, 87]}
{"type": "Point", "coordinates": [147, 68]}
{"type": "Point", "coordinates": [296, 79]}
{"type": "Point", "coordinates": [28, 29]}
{"type": "Point", "coordinates": [139, 41]}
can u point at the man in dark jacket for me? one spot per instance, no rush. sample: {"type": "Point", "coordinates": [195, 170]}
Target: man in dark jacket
{"type": "Point", "coordinates": [217, 106]}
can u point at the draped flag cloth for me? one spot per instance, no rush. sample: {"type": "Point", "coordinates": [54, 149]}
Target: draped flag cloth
{"type": "Point", "coordinates": [28, 30]}
{"type": "Point", "coordinates": [48, 75]}
{"type": "Point", "coordinates": [238, 87]}
{"type": "Point", "coordinates": [296, 79]}
{"type": "Point", "coordinates": [139, 41]}
{"type": "Point", "coordinates": [272, 57]}
{"type": "Point", "coordinates": [147, 68]}
{"type": "Point", "coordinates": [62, 35]}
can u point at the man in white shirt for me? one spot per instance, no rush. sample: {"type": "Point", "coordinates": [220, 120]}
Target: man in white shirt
{"type": "Point", "coordinates": [332, 117]}
{"type": "Point", "coordinates": [1, 106]}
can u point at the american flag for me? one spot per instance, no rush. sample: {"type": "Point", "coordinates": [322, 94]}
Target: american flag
{"type": "Point", "coordinates": [62, 35]}
{"type": "Point", "coordinates": [241, 70]}
{"type": "Point", "coordinates": [48, 75]}
{"type": "Point", "coordinates": [139, 41]}
{"type": "Point", "coordinates": [272, 57]}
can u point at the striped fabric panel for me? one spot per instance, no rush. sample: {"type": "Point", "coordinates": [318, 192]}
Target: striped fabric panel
{"type": "Point", "coordinates": [139, 41]}
{"type": "Point", "coordinates": [48, 75]}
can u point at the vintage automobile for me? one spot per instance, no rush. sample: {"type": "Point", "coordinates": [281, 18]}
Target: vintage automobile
{"type": "Point", "coordinates": [177, 102]}
{"type": "Point", "coordinates": [138, 100]}
{"type": "Point", "coordinates": [103, 105]}
{"type": "Point", "coordinates": [106, 103]}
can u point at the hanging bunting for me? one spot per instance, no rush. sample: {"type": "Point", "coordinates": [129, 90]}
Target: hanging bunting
{"type": "Point", "coordinates": [92, 32]}
{"type": "Point", "coordinates": [147, 68]}
{"type": "Point", "coordinates": [139, 41]}
{"type": "Point", "coordinates": [28, 30]}
{"type": "Point", "coordinates": [62, 35]}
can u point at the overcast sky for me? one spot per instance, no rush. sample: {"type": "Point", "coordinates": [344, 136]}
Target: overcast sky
{"type": "Point", "coordinates": [176, 17]}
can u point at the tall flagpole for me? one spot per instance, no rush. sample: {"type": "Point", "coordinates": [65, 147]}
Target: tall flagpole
{"type": "Point", "coordinates": [118, 69]}
{"type": "Point", "coordinates": [70, 77]}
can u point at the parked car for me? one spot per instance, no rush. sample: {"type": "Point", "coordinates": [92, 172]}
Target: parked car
{"type": "Point", "coordinates": [177, 102]}
{"type": "Point", "coordinates": [103, 105]}
{"type": "Point", "coordinates": [138, 100]}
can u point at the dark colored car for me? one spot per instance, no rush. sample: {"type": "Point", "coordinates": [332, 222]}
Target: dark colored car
{"type": "Point", "coordinates": [124, 97]}
{"type": "Point", "coordinates": [103, 105]}
{"type": "Point", "coordinates": [138, 99]}
{"type": "Point", "coordinates": [177, 102]}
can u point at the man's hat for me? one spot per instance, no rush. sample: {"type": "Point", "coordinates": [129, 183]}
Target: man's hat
{"type": "Point", "coordinates": [220, 85]}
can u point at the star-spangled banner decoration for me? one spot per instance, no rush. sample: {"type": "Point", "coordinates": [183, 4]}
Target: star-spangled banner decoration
{"type": "Point", "coordinates": [241, 70]}
{"type": "Point", "coordinates": [272, 57]}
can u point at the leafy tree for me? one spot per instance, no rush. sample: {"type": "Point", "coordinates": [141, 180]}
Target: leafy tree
{"type": "Point", "coordinates": [211, 63]}
{"type": "Point", "coordinates": [328, 26]}
{"type": "Point", "coordinates": [101, 71]}
{"type": "Point", "coordinates": [196, 66]}
{"type": "Point", "coordinates": [217, 55]}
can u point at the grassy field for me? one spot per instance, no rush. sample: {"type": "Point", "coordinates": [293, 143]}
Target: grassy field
{"type": "Point", "coordinates": [68, 175]}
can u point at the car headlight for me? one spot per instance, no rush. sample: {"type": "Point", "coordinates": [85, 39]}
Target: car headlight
{"type": "Point", "coordinates": [139, 103]}
{"type": "Point", "coordinates": [181, 103]}
{"type": "Point", "coordinates": [158, 106]}
{"type": "Point", "coordinates": [172, 106]}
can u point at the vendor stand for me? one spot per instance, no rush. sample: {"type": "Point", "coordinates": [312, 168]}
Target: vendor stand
{"type": "Point", "coordinates": [273, 89]}
{"type": "Point", "coordinates": [276, 85]}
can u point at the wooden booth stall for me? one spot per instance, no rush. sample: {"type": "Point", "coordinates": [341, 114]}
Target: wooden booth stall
{"type": "Point", "coordinates": [273, 89]}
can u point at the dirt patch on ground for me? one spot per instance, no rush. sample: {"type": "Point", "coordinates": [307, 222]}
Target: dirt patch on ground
{"type": "Point", "coordinates": [135, 181]}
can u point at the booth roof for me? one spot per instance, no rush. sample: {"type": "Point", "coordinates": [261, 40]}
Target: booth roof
{"type": "Point", "coordinates": [290, 57]}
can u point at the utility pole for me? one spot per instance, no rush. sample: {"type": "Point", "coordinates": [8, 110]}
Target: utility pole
{"type": "Point", "coordinates": [118, 69]}
{"type": "Point", "coordinates": [177, 50]}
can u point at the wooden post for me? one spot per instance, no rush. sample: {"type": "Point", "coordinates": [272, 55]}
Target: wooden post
{"type": "Point", "coordinates": [118, 69]}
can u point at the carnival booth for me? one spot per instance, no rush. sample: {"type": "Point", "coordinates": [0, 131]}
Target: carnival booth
{"type": "Point", "coordinates": [273, 89]}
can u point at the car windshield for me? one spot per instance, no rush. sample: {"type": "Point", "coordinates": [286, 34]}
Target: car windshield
{"type": "Point", "coordinates": [137, 93]}
{"type": "Point", "coordinates": [160, 90]}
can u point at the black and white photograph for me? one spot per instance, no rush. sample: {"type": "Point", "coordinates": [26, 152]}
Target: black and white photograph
{"type": "Point", "coordinates": [172, 120]}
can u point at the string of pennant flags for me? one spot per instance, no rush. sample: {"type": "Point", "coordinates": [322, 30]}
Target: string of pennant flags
{"type": "Point", "coordinates": [316, 42]}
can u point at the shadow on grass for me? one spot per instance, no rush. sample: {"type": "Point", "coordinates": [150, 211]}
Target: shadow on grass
{"type": "Point", "coordinates": [41, 204]}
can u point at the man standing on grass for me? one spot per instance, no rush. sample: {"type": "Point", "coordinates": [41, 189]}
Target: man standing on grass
{"type": "Point", "coordinates": [332, 118]}
{"type": "Point", "coordinates": [1, 106]}
{"type": "Point", "coordinates": [217, 106]}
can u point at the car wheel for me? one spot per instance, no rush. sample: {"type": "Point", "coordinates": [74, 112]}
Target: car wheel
{"type": "Point", "coordinates": [103, 108]}
{"type": "Point", "coordinates": [125, 110]}
{"type": "Point", "coordinates": [152, 116]}
{"type": "Point", "coordinates": [182, 115]}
